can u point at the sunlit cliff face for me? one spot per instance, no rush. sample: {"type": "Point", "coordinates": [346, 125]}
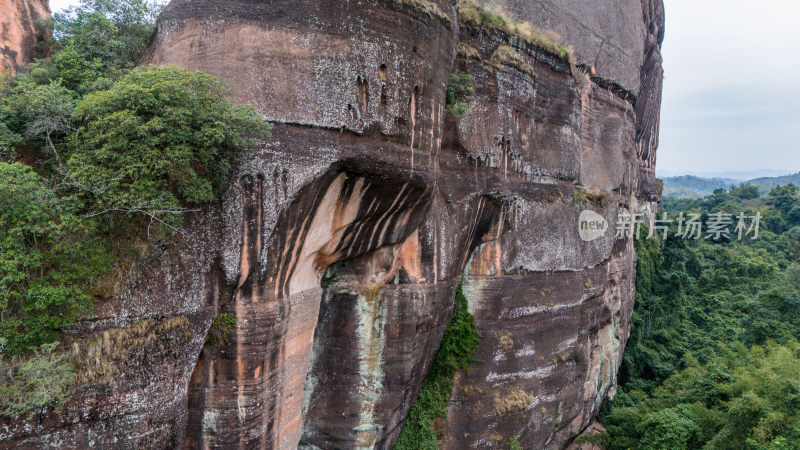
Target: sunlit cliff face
{"type": "Point", "coordinates": [20, 29]}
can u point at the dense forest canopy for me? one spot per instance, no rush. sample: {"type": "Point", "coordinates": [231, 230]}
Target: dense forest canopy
{"type": "Point", "coordinates": [713, 359]}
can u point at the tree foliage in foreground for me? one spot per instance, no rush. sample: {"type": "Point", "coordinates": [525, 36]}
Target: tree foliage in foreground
{"type": "Point", "coordinates": [49, 257]}
{"type": "Point", "coordinates": [95, 154]}
{"type": "Point", "coordinates": [158, 139]}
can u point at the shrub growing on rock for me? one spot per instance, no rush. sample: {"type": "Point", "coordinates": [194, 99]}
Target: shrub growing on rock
{"type": "Point", "coordinates": [158, 139]}
{"type": "Point", "coordinates": [109, 152]}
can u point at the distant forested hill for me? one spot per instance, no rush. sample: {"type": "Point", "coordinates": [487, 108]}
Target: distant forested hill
{"type": "Point", "coordinates": [767, 183]}
{"type": "Point", "coordinates": [690, 186]}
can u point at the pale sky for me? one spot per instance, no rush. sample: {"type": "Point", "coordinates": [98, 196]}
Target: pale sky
{"type": "Point", "coordinates": [58, 5]}
{"type": "Point", "coordinates": [731, 89]}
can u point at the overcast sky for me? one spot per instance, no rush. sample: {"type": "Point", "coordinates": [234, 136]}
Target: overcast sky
{"type": "Point", "coordinates": [732, 86]}
{"type": "Point", "coordinates": [58, 5]}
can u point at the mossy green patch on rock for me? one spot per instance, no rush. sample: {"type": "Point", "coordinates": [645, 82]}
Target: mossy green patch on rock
{"type": "Point", "coordinates": [456, 352]}
{"type": "Point", "coordinates": [596, 197]}
{"type": "Point", "coordinates": [427, 8]}
{"type": "Point", "coordinates": [459, 90]}
{"type": "Point", "coordinates": [220, 331]}
{"type": "Point", "coordinates": [578, 197]}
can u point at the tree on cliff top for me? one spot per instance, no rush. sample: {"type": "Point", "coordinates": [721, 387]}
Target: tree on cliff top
{"type": "Point", "coordinates": [97, 41]}
{"type": "Point", "coordinates": [158, 139]}
{"type": "Point", "coordinates": [92, 154]}
{"type": "Point", "coordinates": [113, 31]}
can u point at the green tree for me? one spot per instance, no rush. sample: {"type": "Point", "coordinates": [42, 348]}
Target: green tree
{"type": "Point", "coordinates": [113, 31]}
{"type": "Point", "coordinates": [718, 197]}
{"type": "Point", "coordinates": [98, 40]}
{"type": "Point", "coordinates": [35, 116]}
{"type": "Point", "coordinates": [793, 216]}
{"type": "Point", "coordinates": [668, 429]}
{"type": "Point", "coordinates": [159, 138]}
{"type": "Point", "coordinates": [49, 257]}
{"type": "Point", "coordinates": [783, 198]}
{"type": "Point", "coordinates": [745, 191]}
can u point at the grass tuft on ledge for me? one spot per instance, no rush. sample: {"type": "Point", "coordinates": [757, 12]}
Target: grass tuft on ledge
{"type": "Point", "coordinates": [481, 18]}
{"type": "Point", "coordinates": [220, 331]}
{"type": "Point", "coordinates": [507, 56]}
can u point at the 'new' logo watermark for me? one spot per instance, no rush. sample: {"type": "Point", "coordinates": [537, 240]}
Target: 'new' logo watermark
{"type": "Point", "coordinates": [591, 225]}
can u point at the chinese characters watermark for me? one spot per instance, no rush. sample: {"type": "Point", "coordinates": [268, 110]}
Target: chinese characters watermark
{"type": "Point", "coordinates": [717, 226]}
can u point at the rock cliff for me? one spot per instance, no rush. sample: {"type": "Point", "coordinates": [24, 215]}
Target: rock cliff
{"type": "Point", "coordinates": [339, 244]}
{"type": "Point", "coordinates": [21, 27]}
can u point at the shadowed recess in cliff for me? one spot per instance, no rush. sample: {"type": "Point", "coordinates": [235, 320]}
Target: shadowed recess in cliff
{"type": "Point", "coordinates": [376, 336]}
{"type": "Point", "coordinates": [248, 392]}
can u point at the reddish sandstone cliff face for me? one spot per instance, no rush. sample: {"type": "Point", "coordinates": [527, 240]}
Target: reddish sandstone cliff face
{"type": "Point", "coordinates": [370, 182]}
{"type": "Point", "coordinates": [20, 30]}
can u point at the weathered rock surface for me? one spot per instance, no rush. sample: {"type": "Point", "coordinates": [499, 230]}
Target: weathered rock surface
{"type": "Point", "coordinates": [371, 184]}
{"type": "Point", "coordinates": [20, 30]}
{"type": "Point", "coordinates": [607, 35]}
